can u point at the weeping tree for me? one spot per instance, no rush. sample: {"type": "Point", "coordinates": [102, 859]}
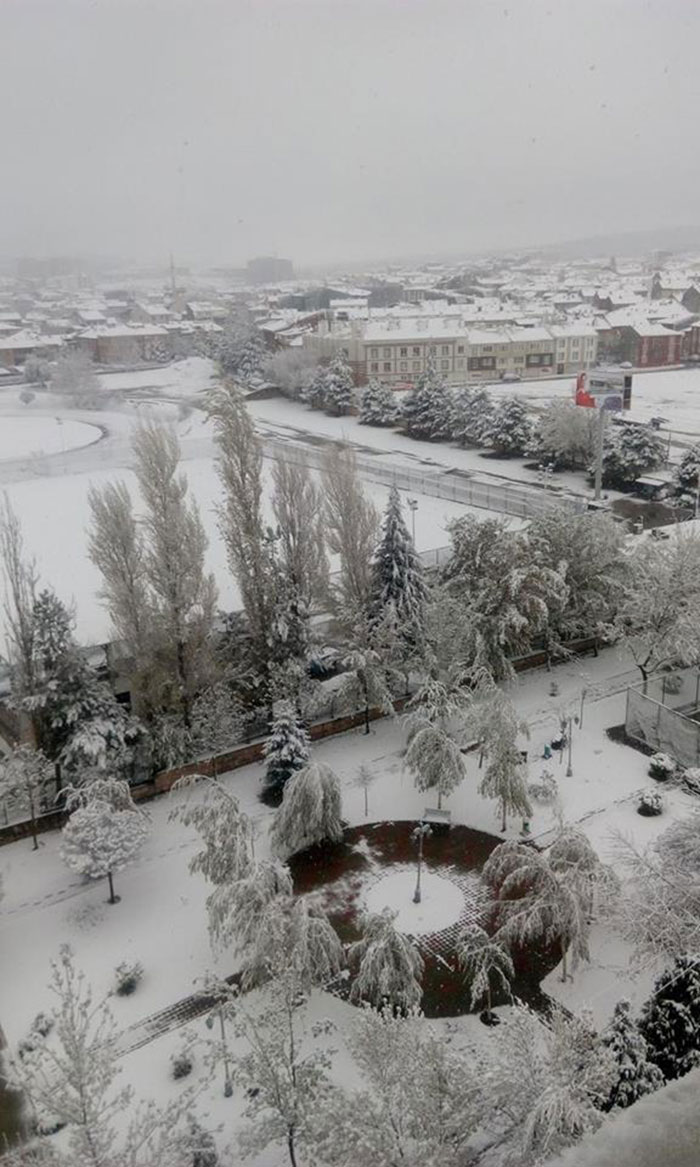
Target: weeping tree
{"type": "Point", "coordinates": [389, 967]}
{"type": "Point", "coordinates": [310, 811]}
{"type": "Point", "coordinates": [484, 961]}
{"type": "Point", "coordinates": [436, 712]}
{"type": "Point", "coordinates": [505, 779]}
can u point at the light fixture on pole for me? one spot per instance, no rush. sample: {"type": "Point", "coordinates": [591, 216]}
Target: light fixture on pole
{"type": "Point", "coordinates": [412, 504]}
{"type": "Point", "coordinates": [419, 833]}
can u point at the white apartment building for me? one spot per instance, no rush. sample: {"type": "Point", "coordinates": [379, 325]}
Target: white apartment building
{"type": "Point", "coordinates": [397, 349]}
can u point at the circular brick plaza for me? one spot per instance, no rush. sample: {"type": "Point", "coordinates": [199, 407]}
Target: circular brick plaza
{"type": "Point", "coordinates": [374, 866]}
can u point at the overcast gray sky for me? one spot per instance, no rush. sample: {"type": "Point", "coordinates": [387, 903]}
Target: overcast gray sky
{"type": "Point", "coordinates": [325, 130]}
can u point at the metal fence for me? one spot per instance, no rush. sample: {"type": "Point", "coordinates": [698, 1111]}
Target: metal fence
{"type": "Point", "coordinates": [457, 486]}
{"type": "Point", "coordinates": [663, 714]}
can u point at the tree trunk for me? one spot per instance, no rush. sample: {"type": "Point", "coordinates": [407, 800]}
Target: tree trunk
{"type": "Point", "coordinates": [503, 820]}
{"type": "Point", "coordinates": [112, 897]}
{"type": "Point", "coordinates": [439, 798]}
{"type": "Point", "coordinates": [366, 718]}
{"type": "Point", "coordinates": [563, 961]}
{"type": "Point", "coordinates": [290, 1148]}
{"type": "Point", "coordinates": [182, 678]}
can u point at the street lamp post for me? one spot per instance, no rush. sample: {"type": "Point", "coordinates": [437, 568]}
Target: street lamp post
{"type": "Point", "coordinates": [412, 504]}
{"type": "Point", "coordinates": [569, 770]}
{"type": "Point", "coordinates": [228, 1084]}
{"type": "Point", "coordinates": [419, 834]}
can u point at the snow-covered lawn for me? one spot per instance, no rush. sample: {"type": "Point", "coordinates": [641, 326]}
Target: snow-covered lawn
{"type": "Point", "coordinates": [186, 378]}
{"type": "Point", "coordinates": [27, 436]}
{"type": "Point", "coordinates": [673, 394]}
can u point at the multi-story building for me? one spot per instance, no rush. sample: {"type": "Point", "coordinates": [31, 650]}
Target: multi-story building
{"type": "Point", "coordinates": [397, 349]}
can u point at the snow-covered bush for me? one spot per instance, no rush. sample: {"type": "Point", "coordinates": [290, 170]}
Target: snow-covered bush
{"type": "Point", "coordinates": [42, 1024]}
{"type": "Point", "coordinates": [544, 790]}
{"type": "Point", "coordinates": [181, 1063]}
{"type": "Point", "coordinates": [27, 396]}
{"type": "Point", "coordinates": [691, 779]}
{"type": "Point", "coordinates": [673, 683]}
{"type": "Point", "coordinates": [670, 1020]}
{"type": "Point", "coordinates": [127, 978]}
{"type": "Point", "coordinates": [650, 803]}
{"type": "Point", "coordinates": [662, 767]}
{"type": "Point", "coordinates": [632, 450]}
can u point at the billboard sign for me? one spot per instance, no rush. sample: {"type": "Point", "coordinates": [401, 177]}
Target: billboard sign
{"type": "Point", "coordinates": [604, 390]}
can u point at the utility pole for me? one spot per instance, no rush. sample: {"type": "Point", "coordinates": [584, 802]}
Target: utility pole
{"type": "Point", "coordinates": [600, 442]}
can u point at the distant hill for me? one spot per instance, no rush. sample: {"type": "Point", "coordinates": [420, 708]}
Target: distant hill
{"type": "Point", "coordinates": [627, 243]}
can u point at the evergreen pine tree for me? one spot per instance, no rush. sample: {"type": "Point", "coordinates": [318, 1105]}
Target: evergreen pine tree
{"type": "Point", "coordinates": [313, 393]}
{"type": "Point", "coordinates": [339, 386]}
{"type": "Point", "coordinates": [286, 751]}
{"type": "Point", "coordinates": [472, 413]}
{"type": "Point", "coordinates": [670, 1020]}
{"type": "Point", "coordinates": [398, 581]}
{"type": "Point", "coordinates": [378, 405]}
{"type": "Point", "coordinates": [687, 474]}
{"type": "Point", "coordinates": [631, 450]}
{"type": "Point", "coordinates": [508, 430]}
{"type": "Point", "coordinates": [636, 1074]}
{"type": "Point", "coordinates": [428, 410]}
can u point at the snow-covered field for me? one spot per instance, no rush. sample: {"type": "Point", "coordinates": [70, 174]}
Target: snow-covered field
{"type": "Point", "coordinates": [179, 379]}
{"type": "Point", "coordinates": [27, 436]}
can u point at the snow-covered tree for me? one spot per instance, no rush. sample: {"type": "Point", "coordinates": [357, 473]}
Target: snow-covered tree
{"type": "Point", "coordinates": [313, 393]}
{"type": "Point", "coordinates": [436, 715]}
{"type": "Point", "coordinates": [367, 681]}
{"type": "Point", "coordinates": [500, 597]}
{"type": "Point", "coordinates": [420, 1100]}
{"type": "Point", "coordinates": [630, 451]}
{"type": "Point", "coordinates": [20, 579]}
{"type": "Point", "coordinates": [365, 779]}
{"type": "Point", "coordinates": [547, 1084]}
{"type": "Point", "coordinates": [218, 720]}
{"type": "Point", "coordinates": [286, 751]}
{"type": "Point", "coordinates": [505, 779]}
{"type": "Point", "coordinates": [75, 379]}
{"type": "Point", "coordinates": [290, 369]}
{"type": "Point", "coordinates": [26, 776]}
{"type": "Point", "coordinates": [300, 548]}
{"type": "Point", "coordinates": [472, 415]}
{"type": "Point", "coordinates": [636, 1074]}
{"type": "Point", "coordinates": [241, 520]}
{"type": "Point", "coordinates": [339, 386]}
{"type": "Point", "coordinates": [508, 430]}
{"type": "Point", "coordinates": [310, 811]}
{"type": "Point", "coordinates": [659, 909]}
{"type": "Point", "coordinates": [658, 618]}
{"type": "Point", "coordinates": [565, 435]}
{"type": "Point", "coordinates": [239, 910]}
{"type": "Point", "coordinates": [388, 966]}
{"type": "Point", "coordinates": [378, 404]}
{"type": "Point", "coordinates": [283, 1079]}
{"type": "Point", "coordinates": [183, 593]}
{"type": "Point", "coordinates": [78, 720]}
{"type": "Point", "coordinates": [687, 475]}
{"type": "Point", "coordinates": [116, 547]}
{"type": "Point", "coordinates": [351, 524]}
{"type": "Point", "coordinates": [547, 899]}
{"type": "Point", "coordinates": [484, 962]}
{"type": "Point", "coordinates": [398, 579]}
{"type": "Point", "coordinates": [587, 552]}
{"type": "Point", "coordinates": [104, 833]}
{"type": "Point", "coordinates": [240, 349]}
{"type": "Point", "coordinates": [225, 831]}
{"type": "Point", "coordinates": [427, 411]}
{"type": "Point", "coordinates": [492, 718]}
{"type": "Point", "coordinates": [69, 1079]}
{"type": "Point", "coordinates": [670, 1020]}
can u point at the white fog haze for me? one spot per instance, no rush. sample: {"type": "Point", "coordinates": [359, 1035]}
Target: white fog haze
{"type": "Point", "coordinates": [342, 130]}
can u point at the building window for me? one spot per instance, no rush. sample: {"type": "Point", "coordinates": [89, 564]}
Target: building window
{"type": "Point", "coordinates": [416, 350]}
{"type": "Point", "coordinates": [374, 352]}
{"type": "Point", "coordinates": [374, 367]}
{"type": "Point", "coordinates": [387, 366]}
{"type": "Point", "coordinates": [416, 366]}
{"type": "Point", "coordinates": [460, 362]}
{"type": "Point", "coordinates": [403, 352]}
{"type": "Point", "coordinates": [460, 348]}
{"type": "Point", "coordinates": [445, 350]}
{"type": "Point", "coordinates": [445, 364]}
{"type": "Point", "coordinates": [488, 348]}
{"type": "Point", "coordinates": [432, 348]}
{"type": "Point", "coordinates": [403, 365]}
